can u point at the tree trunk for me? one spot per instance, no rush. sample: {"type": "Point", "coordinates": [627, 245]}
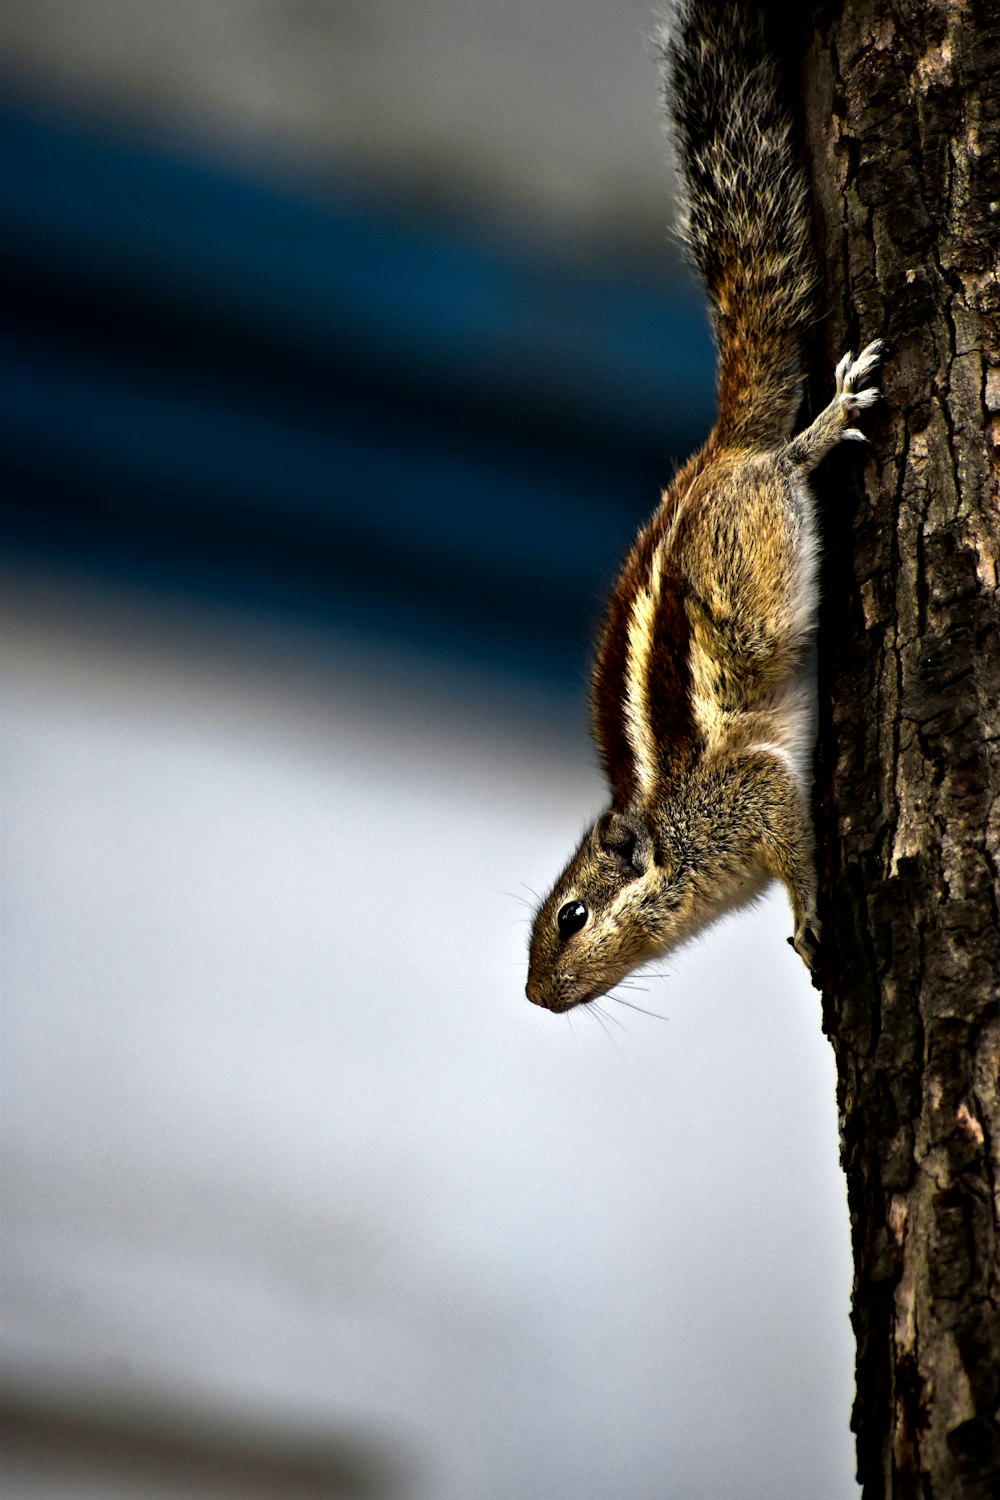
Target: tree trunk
{"type": "Point", "coordinates": [902, 103]}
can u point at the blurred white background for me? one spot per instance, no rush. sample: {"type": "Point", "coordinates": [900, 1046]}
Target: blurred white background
{"type": "Point", "coordinates": [284, 1141]}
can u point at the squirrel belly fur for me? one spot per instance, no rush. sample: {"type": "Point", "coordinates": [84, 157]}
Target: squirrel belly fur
{"type": "Point", "coordinates": [701, 700]}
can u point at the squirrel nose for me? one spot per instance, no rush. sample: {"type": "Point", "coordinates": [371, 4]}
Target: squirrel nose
{"type": "Point", "coordinates": [534, 991]}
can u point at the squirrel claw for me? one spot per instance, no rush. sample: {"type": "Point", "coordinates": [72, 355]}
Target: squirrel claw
{"type": "Point", "coordinates": [850, 371]}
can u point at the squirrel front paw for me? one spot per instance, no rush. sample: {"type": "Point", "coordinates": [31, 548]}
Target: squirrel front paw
{"type": "Point", "coordinates": [850, 373]}
{"type": "Point", "coordinates": [806, 943]}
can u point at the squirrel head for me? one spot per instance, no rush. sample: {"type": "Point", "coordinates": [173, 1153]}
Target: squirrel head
{"type": "Point", "coordinates": [620, 902]}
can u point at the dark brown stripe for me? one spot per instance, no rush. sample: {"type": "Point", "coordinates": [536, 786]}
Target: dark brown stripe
{"type": "Point", "coordinates": [669, 685]}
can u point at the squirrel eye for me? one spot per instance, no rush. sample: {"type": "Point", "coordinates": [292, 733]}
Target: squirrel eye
{"type": "Point", "coordinates": [571, 918]}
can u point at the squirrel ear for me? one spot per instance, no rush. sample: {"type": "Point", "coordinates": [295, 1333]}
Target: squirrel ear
{"type": "Point", "coordinates": [626, 840]}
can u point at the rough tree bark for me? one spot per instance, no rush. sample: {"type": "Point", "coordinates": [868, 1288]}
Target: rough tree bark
{"type": "Point", "coordinates": [902, 106]}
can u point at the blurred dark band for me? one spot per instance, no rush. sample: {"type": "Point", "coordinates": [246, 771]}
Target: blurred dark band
{"type": "Point", "coordinates": [323, 406]}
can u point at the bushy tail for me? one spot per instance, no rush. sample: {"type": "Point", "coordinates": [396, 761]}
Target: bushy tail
{"type": "Point", "coordinates": [745, 214]}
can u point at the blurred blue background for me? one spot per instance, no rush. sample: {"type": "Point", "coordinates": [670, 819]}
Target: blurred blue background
{"type": "Point", "coordinates": [345, 350]}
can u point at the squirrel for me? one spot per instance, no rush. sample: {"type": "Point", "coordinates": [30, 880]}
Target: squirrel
{"type": "Point", "coordinates": [701, 697]}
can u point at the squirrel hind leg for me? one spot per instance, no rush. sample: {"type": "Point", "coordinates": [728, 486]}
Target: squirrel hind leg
{"type": "Point", "coordinates": [833, 425]}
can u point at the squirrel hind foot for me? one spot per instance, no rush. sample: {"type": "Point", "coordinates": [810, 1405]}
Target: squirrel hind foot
{"type": "Point", "coordinates": [850, 370]}
{"type": "Point", "coordinates": [850, 373]}
{"type": "Point", "coordinates": [834, 423]}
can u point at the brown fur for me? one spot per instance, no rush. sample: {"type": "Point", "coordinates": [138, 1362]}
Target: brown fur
{"type": "Point", "coordinates": [700, 704]}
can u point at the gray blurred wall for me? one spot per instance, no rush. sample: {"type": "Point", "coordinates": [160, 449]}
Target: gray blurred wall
{"type": "Point", "coordinates": [299, 1195]}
